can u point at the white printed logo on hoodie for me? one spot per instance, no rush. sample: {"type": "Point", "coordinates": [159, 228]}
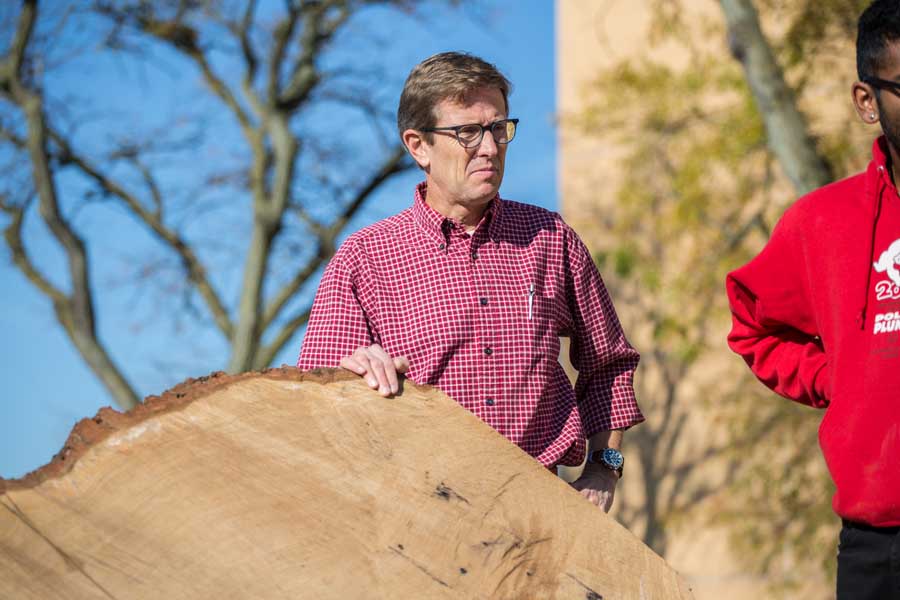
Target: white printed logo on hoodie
{"type": "Point", "coordinates": [889, 262]}
{"type": "Point", "coordinates": [888, 289]}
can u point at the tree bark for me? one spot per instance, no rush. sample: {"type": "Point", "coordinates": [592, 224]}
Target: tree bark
{"type": "Point", "coordinates": [786, 128]}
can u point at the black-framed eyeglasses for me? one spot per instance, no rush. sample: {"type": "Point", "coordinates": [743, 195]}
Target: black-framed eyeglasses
{"type": "Point", "coordinates": [470, 135]}
{"type": "Point", "coordinates": [883, 84]}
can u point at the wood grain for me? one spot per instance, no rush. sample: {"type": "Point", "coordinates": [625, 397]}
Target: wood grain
{"type": "Point", "coordinates": [291, 485]}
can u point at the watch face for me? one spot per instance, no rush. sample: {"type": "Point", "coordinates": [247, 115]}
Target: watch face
{"type": "Point", "coordinates": [613, 458]}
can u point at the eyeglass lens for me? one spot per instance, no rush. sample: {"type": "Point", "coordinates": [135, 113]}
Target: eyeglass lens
{"type": "Point", "coordinates": [502, 131]}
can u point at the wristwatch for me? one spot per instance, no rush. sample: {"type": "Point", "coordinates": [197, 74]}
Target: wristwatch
{"type": "Point", "coordinates": [610, 458]}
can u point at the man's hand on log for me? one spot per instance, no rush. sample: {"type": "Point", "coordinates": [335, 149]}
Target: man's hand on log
{"type": "Point", "coordinates": [377, 368]}
{"type": "Point", "coordinates": [598, 485]}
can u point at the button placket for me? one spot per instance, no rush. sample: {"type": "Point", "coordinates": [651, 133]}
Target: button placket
{"type": "Point", "coordinates": [483, 341]}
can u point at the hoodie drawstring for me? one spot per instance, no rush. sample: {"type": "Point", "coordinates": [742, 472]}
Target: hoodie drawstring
{"type": "Point", "coordinates": [881, 187]}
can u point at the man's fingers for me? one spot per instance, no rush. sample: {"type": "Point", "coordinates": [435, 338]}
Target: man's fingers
{"type": "Point", "coordinates": [601, 499]}
{"type": "Point", "coordinates": [401, 364]}
{"type": "Point", "coordinates": [378, 368]}
{"type": "Point", "coordinates": [351, 364]}
{"type": "Point", "coordinates": [362, 357]}
{"type": "Point", "coordinates": [390, 370]}
{"type": "Point", "coordinates": [605, 504]}
{"type": "Point", "coordinates": [598, 498]}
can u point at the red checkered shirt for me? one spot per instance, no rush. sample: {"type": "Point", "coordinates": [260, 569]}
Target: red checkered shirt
{"type": "Point", "coordinates": [480, 317]}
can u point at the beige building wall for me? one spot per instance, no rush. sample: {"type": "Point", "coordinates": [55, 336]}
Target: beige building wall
{"type": "Point", "coordinates": [593, 35]}
{"type": "Point", "coordinates": [590, 35]}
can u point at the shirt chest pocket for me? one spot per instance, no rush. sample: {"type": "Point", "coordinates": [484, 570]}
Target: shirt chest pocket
{"type": "Point", "coordinates": [538, 311]}
{"type": "Point", "coordinates": [538, 320]}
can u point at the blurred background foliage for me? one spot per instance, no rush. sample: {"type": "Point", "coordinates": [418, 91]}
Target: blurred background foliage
{"type": "Point", "coordinates": [700, 191]}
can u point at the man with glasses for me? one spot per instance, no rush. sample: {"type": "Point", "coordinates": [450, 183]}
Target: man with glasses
{"type": "Point", "coordinates": [470, 292]}
{"type": "Point", "coordinates": [816, 316]}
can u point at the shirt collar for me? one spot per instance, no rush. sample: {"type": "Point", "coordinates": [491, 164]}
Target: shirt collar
{"type": "Point", "coordinates": [440, 226]}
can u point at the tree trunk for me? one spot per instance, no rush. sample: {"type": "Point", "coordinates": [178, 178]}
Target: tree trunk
{"type": "Point", "coordinates": [786, 128]}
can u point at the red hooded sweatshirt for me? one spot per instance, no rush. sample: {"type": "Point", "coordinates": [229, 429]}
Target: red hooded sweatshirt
{"type": "Point", "coordinates": [816, 315]}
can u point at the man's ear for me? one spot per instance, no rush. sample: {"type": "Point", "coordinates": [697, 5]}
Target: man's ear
{"type": "Point", "coordinates": [865, 102]}
{"type": "Point", "coordinates": [418, 147]}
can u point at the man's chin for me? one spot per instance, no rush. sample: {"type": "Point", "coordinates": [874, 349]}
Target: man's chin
{"type": "Point", "coordinates": [488, 187]}
{"type": "Point", "coordinates": [488, 192]}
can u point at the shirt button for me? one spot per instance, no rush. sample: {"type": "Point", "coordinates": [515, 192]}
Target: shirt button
{"type": "Point", "coordinates": [474, 256]}
{"type": "Point", "coordinates": [483, 301]}
{"type": "Point", "coordinates": [488, 351]}
{"type": "Point", "coordinates": [441, 246]}
{"type": "Point", "coordinates": [489, 401]}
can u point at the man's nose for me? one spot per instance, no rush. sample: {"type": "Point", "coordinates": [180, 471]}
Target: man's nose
{"type": "Point", "coordinates": [488, 146]}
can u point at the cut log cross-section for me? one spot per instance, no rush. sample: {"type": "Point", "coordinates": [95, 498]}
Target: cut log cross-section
{"type": "Point", "coordinates": [291, 485]}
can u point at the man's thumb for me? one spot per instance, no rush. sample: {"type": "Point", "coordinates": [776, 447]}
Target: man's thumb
{"type": "Point", "coordinates": [401, 364]}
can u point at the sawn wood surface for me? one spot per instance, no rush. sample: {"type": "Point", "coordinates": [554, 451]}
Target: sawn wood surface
{"type": "Point", "coordinates": [291, 485]}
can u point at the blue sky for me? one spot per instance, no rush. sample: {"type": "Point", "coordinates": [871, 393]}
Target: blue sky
{"type": "Point", "coordinates": [48, 388]}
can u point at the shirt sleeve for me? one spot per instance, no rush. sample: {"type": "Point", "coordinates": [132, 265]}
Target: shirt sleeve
{"type": "Point", "coordinates": [773, 324]}
{"type": "Point", "coordinates": [599, 351]}
{"type": "Point", "coordinates": [338, 323]}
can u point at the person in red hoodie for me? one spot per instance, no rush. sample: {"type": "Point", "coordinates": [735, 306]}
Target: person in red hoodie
{"type": "Point", "coordinates": [816, 316]}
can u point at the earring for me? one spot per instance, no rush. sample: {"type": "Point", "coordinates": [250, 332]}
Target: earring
{"type": "Point", "coordinates": [872, 116]}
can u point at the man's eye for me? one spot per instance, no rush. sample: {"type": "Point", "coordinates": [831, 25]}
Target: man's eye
{"type": "Point", "coordinates": [469, 132]}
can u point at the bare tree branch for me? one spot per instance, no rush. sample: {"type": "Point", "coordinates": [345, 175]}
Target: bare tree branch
{"type": "Point", "coordinates": [268, 214]}
{"type": "Point", "coordinates": [283, 32]}
{"type": "Point", "coordinates": [395, 163]}
{"type": "Point", "coordinates": [246, 45]}
{"type": "Point", "coordinates": [184, 38]}
{"type": "Point", "coordinates": [317, 30]}
{"type": "Point", "coordinates": [265, 99]}
{"type": "Point", "coordinates": [192, 264]}
{"type": "Point", "coordinates": [75, 312]}
{"type": "Point", "coordinates": [13, 236]}
{"type": "Point", "coordinates": [398, 161]}
{"type": "Point", "coordinates": [251, 61]}
{"type": "Point", "coordinates": [15, 57]}
{"type": "Point", "coordinates": [267, 354]}
{"type": "Point", "coordinates": [152, 187]}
